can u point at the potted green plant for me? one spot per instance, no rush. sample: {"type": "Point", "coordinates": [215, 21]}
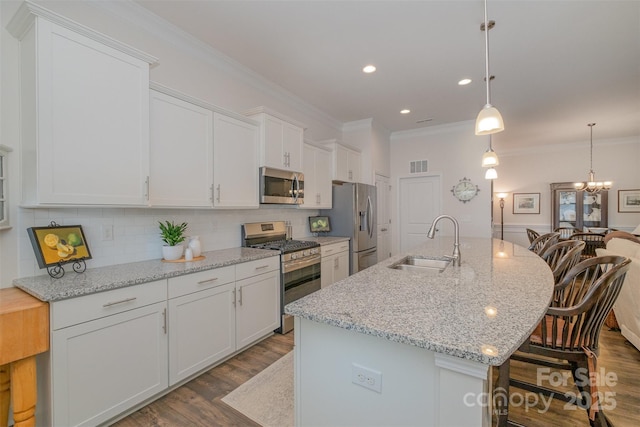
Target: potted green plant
{"type": "Point", "coordinates": [173, 235]}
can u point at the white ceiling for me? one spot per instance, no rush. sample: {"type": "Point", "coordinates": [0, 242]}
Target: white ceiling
{"type": "Point", "coordinates": [558, 65]}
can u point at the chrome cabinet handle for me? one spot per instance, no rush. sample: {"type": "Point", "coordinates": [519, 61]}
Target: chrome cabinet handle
{"type": "Point", "coordinates": [109, 304]}
{"type": "Point", "coordinates": [218, 198]}
{"type": "Point", "coordinates": [234, 298]}
{"type": "Point", "coordinates": [240, 298]}
{"type": "Point", "coordinates": [262, 266]}
{"type": "Point", "coordinates": [164, 320]}
{"type": "Point", "coordinates": [146, 184]}
{"type": "Point", "coordinates": [204, 282]}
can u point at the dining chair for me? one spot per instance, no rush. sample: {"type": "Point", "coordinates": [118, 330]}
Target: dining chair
{"type": "Point", "coordinates": [542, 242]}
{"type": "Point", "coordinates": [565, 232]}
{"type": "Point", "coordinates": [567, 337]}
{"type": "Point", "coordinates": [532, 235]}
{"type": "Point", "coordinates": [562, 256]}
{"type": "Point", "coordinates": [592, 240]}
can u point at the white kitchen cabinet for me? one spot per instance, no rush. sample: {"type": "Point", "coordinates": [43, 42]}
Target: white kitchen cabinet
{"type": "Point", "coordinates": [84, 114]}
{"type": "Point", "coordinates": [281, 140]}
{"type": "Point", "coordinates": [181, 154]}
{"type": "Point", "coordinates": [346, 162]}
{"type": "Point", "coordinates": [257, 300]}
{"type": "Point", "coordinates": [317, 178]}
{"type": "Point", "coordinates": [334, 263]}
{"type": "Point", "coordinates": [201, 321]}
{"type": "Point", "coordinates": [235, 162]}
{"type": "Point", "coordinates": [108, 353]}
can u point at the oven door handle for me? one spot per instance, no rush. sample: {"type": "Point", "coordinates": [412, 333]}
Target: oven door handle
{"type": "Point", "coordinates": [297, 265]}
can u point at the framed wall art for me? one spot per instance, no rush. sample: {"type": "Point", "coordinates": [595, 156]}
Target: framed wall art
{"type": "Point", "coordinates": [526, 203]}
{"type": "Point", "coordinates": [56, 245]}
{"type": "Point", "coordinates": [629, 200]}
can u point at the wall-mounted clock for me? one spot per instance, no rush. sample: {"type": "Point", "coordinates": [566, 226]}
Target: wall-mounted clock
{"type": "Point", "coordinates": [465, 190]}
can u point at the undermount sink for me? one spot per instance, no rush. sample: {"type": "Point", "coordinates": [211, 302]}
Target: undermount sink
{"type": "Point", "coordinates": [422, 263]}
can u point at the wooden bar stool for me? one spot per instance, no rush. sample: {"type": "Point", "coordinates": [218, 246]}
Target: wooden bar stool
{"type": "Point", "coordinates": [24, 332]}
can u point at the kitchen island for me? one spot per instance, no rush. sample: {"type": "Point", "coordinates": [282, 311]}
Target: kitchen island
{"type": "Point", "coordinates": [394, 347]}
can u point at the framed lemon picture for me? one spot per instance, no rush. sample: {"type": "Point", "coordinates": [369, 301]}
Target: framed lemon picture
{"type": "Point", "coordinates": [56, 245]}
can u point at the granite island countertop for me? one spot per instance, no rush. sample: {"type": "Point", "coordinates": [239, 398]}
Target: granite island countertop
{"type": "Point", "coordinates": [106, 278]}
{"type": "Point", "coordinates": [480, 311]}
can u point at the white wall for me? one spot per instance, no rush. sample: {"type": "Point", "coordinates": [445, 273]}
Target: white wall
{"type": "Point", "coordinates": [185, 65]}
{"type": "Point", "coordinates": [453, 152]}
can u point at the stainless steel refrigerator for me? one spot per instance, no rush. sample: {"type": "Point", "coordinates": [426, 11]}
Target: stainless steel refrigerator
{"type": "Point", "coordinates": [353, 216]}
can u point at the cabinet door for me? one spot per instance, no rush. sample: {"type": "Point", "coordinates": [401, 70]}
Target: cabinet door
{"type": "Point", "coordinates": [257, 307]}
{"type": "Point", "coordinates": [292, 146]}
{"type": "Point", "coordinates": [181, 157]}
{"type": "Point", "coordinates": [341, 266]}
{"type": "Point", "coordinates": [235, 163]}
{"type": "Point", "coordinates": [341, 163]}
{"type": "Point", "coordinates": [354, 172]}
{"type": "Point", "coordinates": [201, 330]}
{"type": "Point", "coordinates": [103, 367]}
{"type": "Point", "coordinates": [92, 104]}
{"type": "Point", "coordinates": [323, 179]}
{"type": "Point", "coordinates": [272, 149]}
{"type": "Point", "coordinates": [311, 192]}
{"type": "Point", "coordinates": [326, 271]}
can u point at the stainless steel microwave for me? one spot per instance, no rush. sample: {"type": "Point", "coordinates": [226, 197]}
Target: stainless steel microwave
{"type": "Point", "coordinates": [281, 187]}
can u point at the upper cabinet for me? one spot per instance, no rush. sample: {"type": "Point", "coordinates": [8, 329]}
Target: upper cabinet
{"type": "Point", "coordinates": [281, 139]}
{"type": "Point", "coordinates": [201, 155]}
{"type": "Point", "coordinates": [578, 209]}
{"type": "Point", "coordinates": [84, 113]}
{"type": "Point", "coordinates": [181, 155]}
{"type": "Point", "coordinates": [346, 162]}
{"type": "Point", "coordinates": [235, 162]}
{"type": "Point", "coordinates": [317, 177]}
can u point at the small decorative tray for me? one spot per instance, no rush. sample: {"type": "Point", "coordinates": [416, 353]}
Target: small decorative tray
{"type": "Point", "coordinates": [195, 258]}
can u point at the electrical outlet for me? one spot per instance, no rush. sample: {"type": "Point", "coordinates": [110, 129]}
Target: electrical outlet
{"type": "Point", "coordinates": [107, 232]}
{"type": "Point", "coordinates": [366, 377]}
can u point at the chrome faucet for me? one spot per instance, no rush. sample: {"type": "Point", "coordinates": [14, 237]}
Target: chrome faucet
{"type": "Point", "coordinates": [456, 244]}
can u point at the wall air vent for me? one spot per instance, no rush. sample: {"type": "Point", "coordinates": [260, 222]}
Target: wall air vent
{"type": "Point", "coordinates": [418, 166]}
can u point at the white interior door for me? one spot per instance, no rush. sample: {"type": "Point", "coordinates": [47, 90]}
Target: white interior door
{"type": "Point", "coordinates": [420, 202]}
{"type": "Point", "coordinates": [383, 195]}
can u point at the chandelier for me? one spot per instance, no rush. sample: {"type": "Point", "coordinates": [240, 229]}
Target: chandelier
{"type": "Point", "coordinates": [592, 186]}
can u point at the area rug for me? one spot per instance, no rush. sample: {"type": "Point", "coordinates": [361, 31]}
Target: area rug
{"type": "Point", "coordinates": [267, 398]}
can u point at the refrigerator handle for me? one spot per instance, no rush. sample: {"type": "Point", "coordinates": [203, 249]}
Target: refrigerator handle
{"type": "Point", "coordinates": [370, 216]}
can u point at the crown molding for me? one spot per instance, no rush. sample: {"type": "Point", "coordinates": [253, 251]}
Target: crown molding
{"type": "Point", "coordinates": [555, 148]}
{"type": "Point", "coordinates": [26, 14]}
{"type": "Point", "coordinates": [143, 18]}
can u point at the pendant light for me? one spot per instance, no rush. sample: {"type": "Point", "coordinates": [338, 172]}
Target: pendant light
{"type": "Point", "coordinates": [489, 119]}
{"type": "Point", "coordinates": [592, 186]}
{"type": "Point", "coordinates": [491, 173]}
{"type": "Point", "coordinates": [490, 158]}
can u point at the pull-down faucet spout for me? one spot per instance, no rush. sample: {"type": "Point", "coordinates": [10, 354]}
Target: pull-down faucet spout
{"type": "Point", "coordinates": [456, 229]}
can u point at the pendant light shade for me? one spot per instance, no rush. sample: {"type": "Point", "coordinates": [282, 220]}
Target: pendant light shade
{"type": "Point", "coordinates": [491, 173]}
{"type": "Point", "coordinates": [489, 119]}
{"type": "Point", "coordinates": [490, 158]}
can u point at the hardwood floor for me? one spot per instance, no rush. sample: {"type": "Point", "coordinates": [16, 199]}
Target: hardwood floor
{"type": "Point", "coordinates": [198, 403]}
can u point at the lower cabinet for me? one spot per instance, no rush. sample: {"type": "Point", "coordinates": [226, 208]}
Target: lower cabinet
{"type": "Point", "coordinates": [334, 264]}
{"type": "Point", "coordinates": [113, 350]}
{"type": "Point", "coordinates": [102, 367]}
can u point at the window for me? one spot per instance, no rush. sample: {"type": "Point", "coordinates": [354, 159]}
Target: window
{"type": "Point", "coordinates": [4, 190]}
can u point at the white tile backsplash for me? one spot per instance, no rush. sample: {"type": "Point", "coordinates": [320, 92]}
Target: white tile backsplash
{"type": "Point", "coordinates": [136, 236]}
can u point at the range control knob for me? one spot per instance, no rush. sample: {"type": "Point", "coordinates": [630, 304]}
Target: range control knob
{"type": "Point", "coordinates": [294, 256]}
{"type": "Point", "coordinates": [305, 253]}
{"type": "Point", "coordinates": [314, 251]}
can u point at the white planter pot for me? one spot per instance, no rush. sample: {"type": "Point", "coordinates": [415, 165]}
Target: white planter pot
{"type": "Point", "coordinates": [171, 253]}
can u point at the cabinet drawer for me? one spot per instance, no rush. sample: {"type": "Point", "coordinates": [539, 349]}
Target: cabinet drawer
{"type": "Point", "coordinates": [201, 280]}
{"type": "Point", "coordinates": [253, 268]}
{"type": "Point", "coordinates": [82, 309]}
{"type": "Point", "coordinates": [334, 248]}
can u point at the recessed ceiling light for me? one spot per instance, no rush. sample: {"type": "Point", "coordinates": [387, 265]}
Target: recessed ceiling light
{"type": "Point", "coordinates": [405, 111]}
{"type": "Point", "coordinates": [369, 69]}
{"type": "Point", "coordinates": [464, 82]}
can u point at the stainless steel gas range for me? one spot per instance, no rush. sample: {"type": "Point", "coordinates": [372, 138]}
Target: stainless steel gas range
{"type": "Point", "coordinates": [300, 262]}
